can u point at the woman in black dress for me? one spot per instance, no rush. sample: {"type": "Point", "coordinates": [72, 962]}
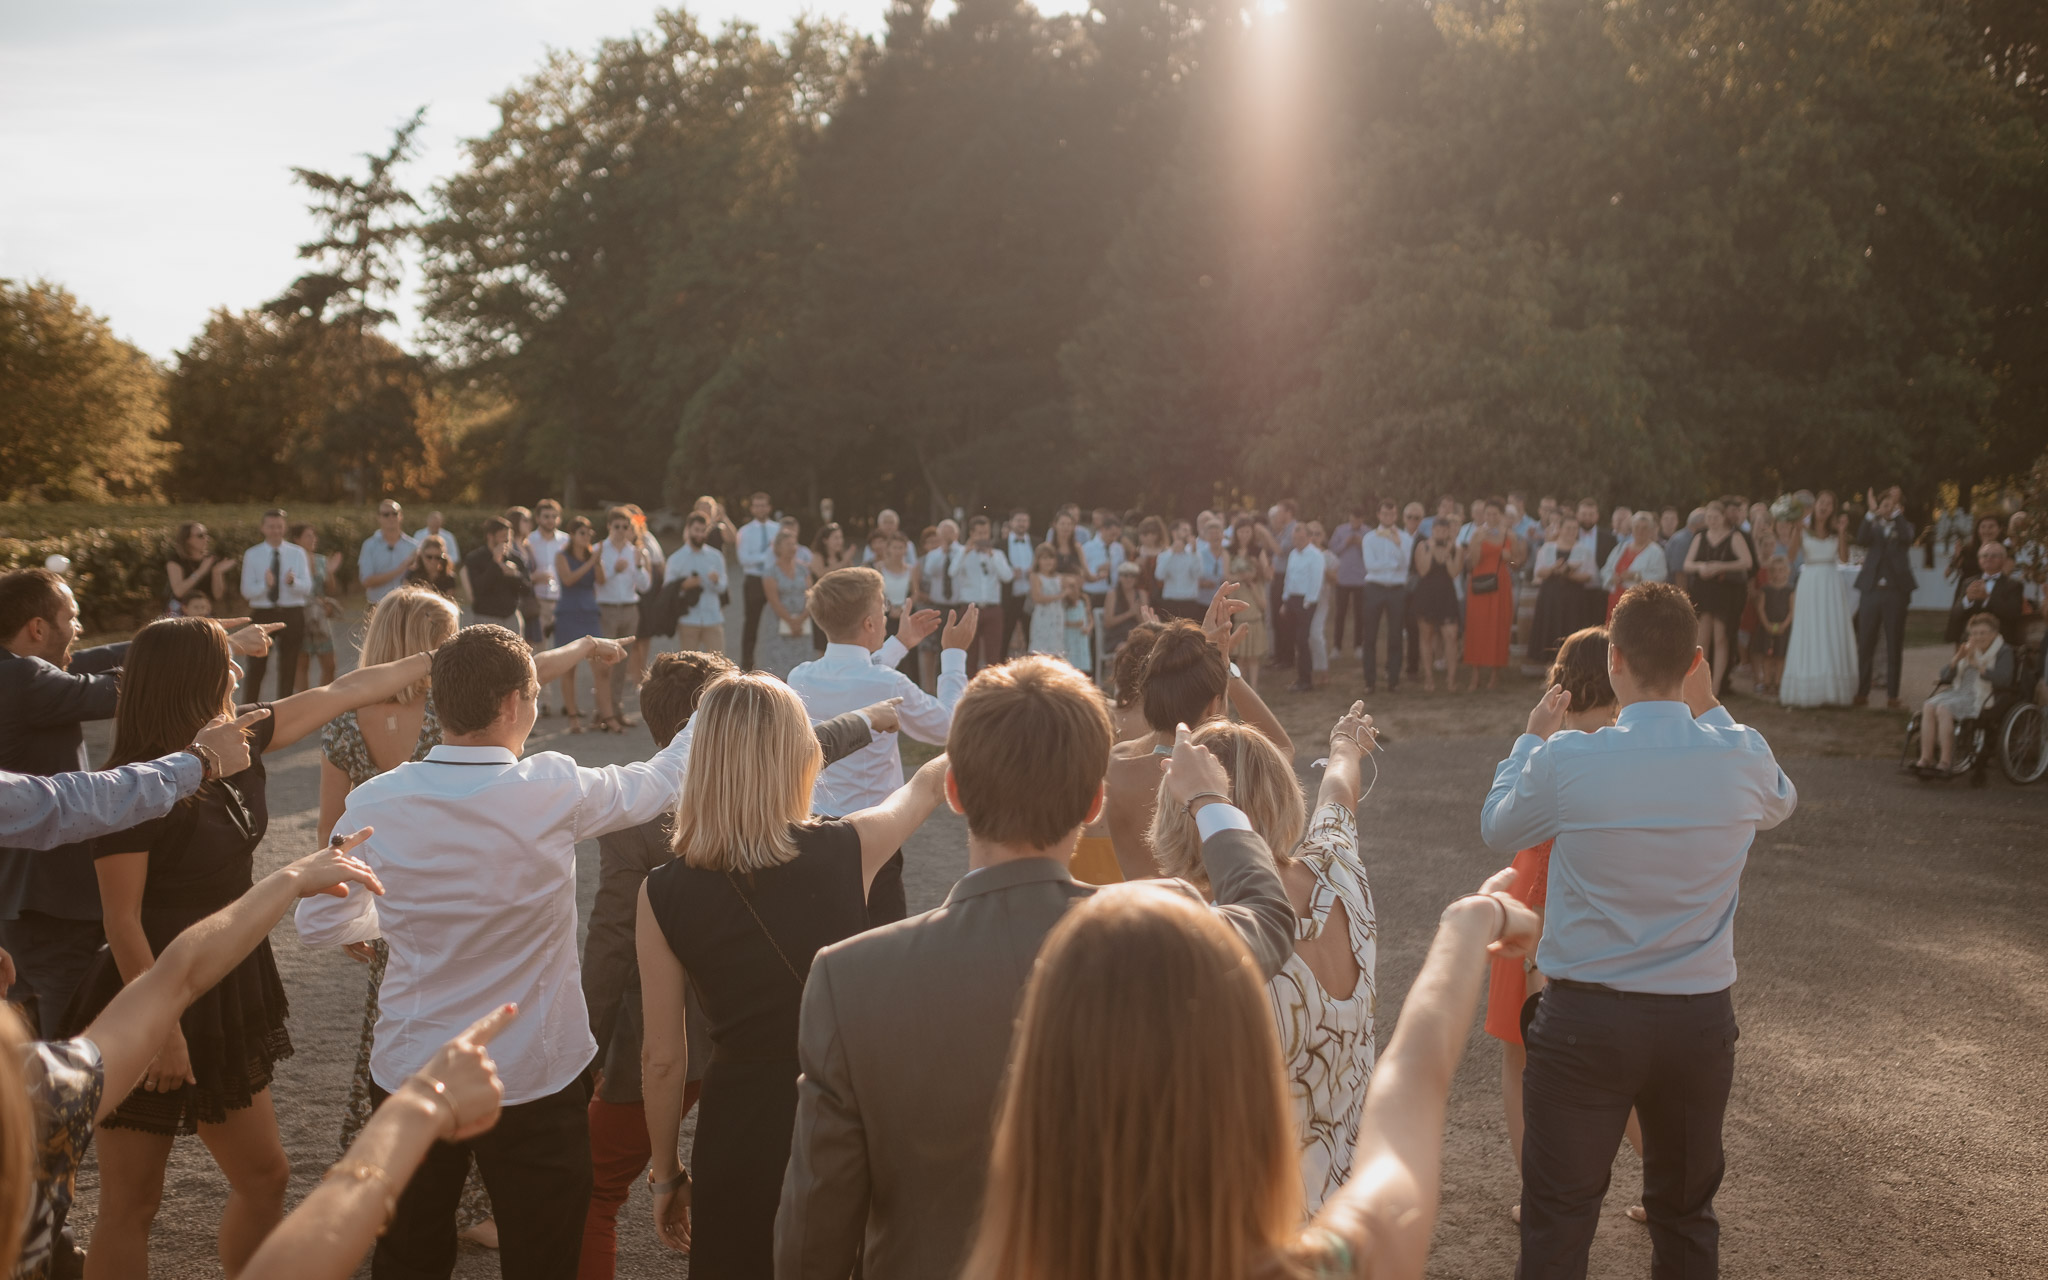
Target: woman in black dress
{"type": "Point", "coordinates": [755, 890]}
{"type": "Point", "coordinates": [1564, 569]}
{"type": "Point", "coordinates": [1438, 563]}
{"type": "Point", "coordinates": [1718, 567]}
{"type": "Point", "coordinates": [212, 1076]}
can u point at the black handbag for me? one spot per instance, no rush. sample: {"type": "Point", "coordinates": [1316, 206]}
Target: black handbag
{"type": "Point", "coordinates": [1485, 584]}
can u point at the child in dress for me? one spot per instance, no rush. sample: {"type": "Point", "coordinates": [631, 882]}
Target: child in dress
{"type": "Point", "coordinates": [1080, 622]}
{"type": "Point", "coordinates": [1048, 606]}
{"type": "Point", "coordinates": [1774, 626]}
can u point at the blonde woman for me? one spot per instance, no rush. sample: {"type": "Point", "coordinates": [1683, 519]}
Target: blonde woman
{"type": "Point", "coordinates": [756, 888]}
{"type": "Point", "coordinates": [1111, 1154]}
{"type": "Point", "coordinates": [1325, 997]}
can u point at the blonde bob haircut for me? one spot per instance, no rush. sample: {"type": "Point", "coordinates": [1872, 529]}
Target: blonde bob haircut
{"type": "Point", "coordinates": [411, 620]}
{"type": "Point", "coordinates": [753, 759]}
{"type": "Point", "coordinates": [1262, 784]}
{"type": "Point", "coordinates": [1112, 1158]}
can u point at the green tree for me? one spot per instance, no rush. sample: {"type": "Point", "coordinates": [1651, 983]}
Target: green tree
{"type": "Point", "coordinates": [606, 245]}
{"type": "Point", "coordinates": [80, 410]}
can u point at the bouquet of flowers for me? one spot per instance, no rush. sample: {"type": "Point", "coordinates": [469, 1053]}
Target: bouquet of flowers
{"type": "Point", "coordinates": [1791, 508]}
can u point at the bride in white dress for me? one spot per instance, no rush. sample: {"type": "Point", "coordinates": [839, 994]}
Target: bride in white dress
{"type": "Point", "coordinates": [1820, 665]}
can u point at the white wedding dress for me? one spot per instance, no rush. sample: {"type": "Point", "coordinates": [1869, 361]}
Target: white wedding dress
{"type": "Point", "coordinates": [1820, 663]}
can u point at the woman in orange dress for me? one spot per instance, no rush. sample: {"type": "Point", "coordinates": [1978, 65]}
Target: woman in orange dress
{"type": "Point", "coordinates": [1581, 667]}
{"type": "Point", "coordinates": [1490, 561]}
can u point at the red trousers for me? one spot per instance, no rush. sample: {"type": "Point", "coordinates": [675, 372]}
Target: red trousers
{"type": "Point", "coordinates": [618, 1154]}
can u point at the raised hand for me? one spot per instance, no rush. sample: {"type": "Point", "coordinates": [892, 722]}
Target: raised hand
{"type": "Point", "coordinates": [229, 739]}
{"type": "Point", "coordinates": [1523, 928]}
{"type": "Point", "coordinates": [916, 625]}
{"type": "Point", "coordinates": [1699, 686]}
{"type": "Point", "coordinates": [462, 1081]}
{"type": "Point", "coordinates": [253, 641]}
{"type": "Point", "coordinates": [1216, 623]}
{"type": "Point", "coordinates": [1193, 770]}
{"type": "Point", "coordinates": [1547, 717]}
{"type": "Point", "coordinates": [882, 716]}
{"type": "Point", "coordinates": [331, 871]}
{"type": "Point", "coordinates": [1355, 728]}
{"type": "Point", "coordinates": [606, 652]}
{"type": "Point", "coordinates": [960, 627]}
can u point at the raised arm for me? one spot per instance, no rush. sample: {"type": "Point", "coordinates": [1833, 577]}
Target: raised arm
{"type": "Point", "coordinates": [1350, 739]}
{"type": "Point", "coordinates": [307, 710]}
{"type": "Point", "coordinates": [1387, 1210]}
{"type": "Point", "coordinates": [457, 1095]}
{"type": "Point", "coordinates": [138, 1020]}
{"type": "Point", "coordinates": [884, 828]}
{"type": "Point", "coordinates": [1249, 894]}
{"type": "Point", "coordinates": [182, 582]}
{"type": "Point", "coordinates": [552, 664]}
{"type": "Point", "coordinates": [664, 1064]}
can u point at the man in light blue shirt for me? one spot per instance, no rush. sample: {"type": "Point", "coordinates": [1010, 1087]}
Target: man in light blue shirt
{"type": "Point", "coordinates": [1652, 820]}
{"type": "Point", "coordinates": [702, 625]}
{"type": "Point", "coordinates": [387, 554]}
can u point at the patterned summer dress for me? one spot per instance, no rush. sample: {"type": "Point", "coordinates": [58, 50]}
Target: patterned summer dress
{"type": "Point", "coordinates": [343, 745]}
{"type": "Point", "coordinates": [1328, 1043]}
{"type": "Point", "coordinates": [64, 1079]}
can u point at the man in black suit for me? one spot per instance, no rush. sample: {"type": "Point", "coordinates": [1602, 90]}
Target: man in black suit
{"type": "Point", "coordinates": [1996, 592]}
{"type": "Point", "coordinates": [50, 901]}
{"type": "Point", "coordinates": [1885, 588]}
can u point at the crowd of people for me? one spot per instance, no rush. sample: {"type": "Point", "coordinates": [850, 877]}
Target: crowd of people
{"type": "Point", "coordinates": [959, 1092]}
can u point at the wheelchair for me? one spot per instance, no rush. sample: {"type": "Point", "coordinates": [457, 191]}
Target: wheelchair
{"type": "Point", "coordinates": [2012, 728]}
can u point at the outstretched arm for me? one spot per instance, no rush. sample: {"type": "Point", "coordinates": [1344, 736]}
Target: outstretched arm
{"type": "Point", "coordinates": [307, 710]}
{"type": "Point", "coordinates": [884, 828]}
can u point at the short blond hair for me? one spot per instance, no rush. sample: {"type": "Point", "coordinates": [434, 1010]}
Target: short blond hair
{"type": "Point", "coordinates": [1262, 785]}
{"type": "Point", "coordinates": [843, 598]}
{"type": "Point", "coordinates": [409, 621]}
{"type": "Point", "coordinates": [753, 760]}
{"type": "Point", "coordinates": [1028, 749]}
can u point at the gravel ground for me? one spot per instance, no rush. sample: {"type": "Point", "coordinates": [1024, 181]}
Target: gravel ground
{"type": "Point", "coordinates": [1892, 1070]}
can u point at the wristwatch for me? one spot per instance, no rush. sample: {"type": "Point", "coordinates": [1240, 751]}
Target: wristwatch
{"type": "Point", "coordinates": [1235, 674]}
{"type": "Point", "coordinates": [682, 1179]}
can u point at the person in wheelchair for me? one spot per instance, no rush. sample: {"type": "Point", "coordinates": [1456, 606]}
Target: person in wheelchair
{"type": "Point", "coordinates": [1996, 590]}
{"type": "Point", "coordinates": [1984, 668]}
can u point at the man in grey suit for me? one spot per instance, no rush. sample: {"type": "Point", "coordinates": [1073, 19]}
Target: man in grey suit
{"type": "Point", "coordinates": [906, 1029]}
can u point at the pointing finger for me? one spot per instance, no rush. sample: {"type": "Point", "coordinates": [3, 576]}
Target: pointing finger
{"type": "Point", "coordinates": [486, 1029]}
{"type": "Point", "coordinates": [250, 717]}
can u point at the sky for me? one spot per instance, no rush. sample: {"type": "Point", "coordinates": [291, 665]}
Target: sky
{"type": "Point", "coordinates": [146, 146]}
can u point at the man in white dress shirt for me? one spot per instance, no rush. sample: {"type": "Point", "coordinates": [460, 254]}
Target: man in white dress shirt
{"type": "Point", "coordinates": [1387, 552]}
{"type": "Point", "coordinates": [626, 574]}
{"type": "Point", "coordinates": [1022, 551]}
{"type": "Point", "coordinates": [436, 529]}
{"type": "Point", "coordinates": [277, 582]}
{"type": "Point", "coordinates": [756, 551]}
{"type": "Point", "coordinates": [936, 575]}
{"type": "Point", "coordinates": [477, 852]}
{"type": "Point", "coordinates": [980, 570]}
{"type": "Point", "coordinates": [1301, 589]}
{"type": "Point", "coordinates": [858, 669]}
{"type": "Point", "coordinates": [546, 542]}
{"type": "Point", "coordinates": [696, 566]}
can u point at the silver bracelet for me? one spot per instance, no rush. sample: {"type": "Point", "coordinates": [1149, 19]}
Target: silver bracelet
{"type": "Point", "coordinates": [682, 1179]}
{"type": "Point", "coordinates": [1189, 805]}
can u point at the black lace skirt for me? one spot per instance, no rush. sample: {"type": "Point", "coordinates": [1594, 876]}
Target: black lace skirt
{"type": "Point", "coordinates": [235, 1034]}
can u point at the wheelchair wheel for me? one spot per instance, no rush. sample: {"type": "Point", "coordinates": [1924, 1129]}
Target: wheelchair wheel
{"type": "Point", "coordinates": [2023, 743]}
{"type": "Point", "coordinates": [1909, 754]}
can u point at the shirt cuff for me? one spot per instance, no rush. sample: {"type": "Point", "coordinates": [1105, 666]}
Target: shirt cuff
{"type": "Point", "coordinates": [1214, 818]}
{"type": "Point", "coordinates": [186, 771]}
{"type": "Point", "coordinates": [953, 662]}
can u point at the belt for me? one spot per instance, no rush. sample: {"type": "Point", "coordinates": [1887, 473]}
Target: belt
{"type": "Point", "coordinates": [1602, 989]}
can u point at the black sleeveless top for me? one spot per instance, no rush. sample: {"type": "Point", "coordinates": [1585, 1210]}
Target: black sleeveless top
{"type": "Point", "coordinates": [745, 986]}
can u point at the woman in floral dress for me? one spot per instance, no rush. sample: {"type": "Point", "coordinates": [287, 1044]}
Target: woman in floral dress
{"type": "Point", "coordinates": [1325, 997]}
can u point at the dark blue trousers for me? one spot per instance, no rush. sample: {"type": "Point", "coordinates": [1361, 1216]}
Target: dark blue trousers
{"type": "Point", "coordinates": [1594, 1054]}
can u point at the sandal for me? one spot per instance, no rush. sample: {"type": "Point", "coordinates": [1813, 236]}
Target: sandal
{"type": "Point", "coordinates": [624, 722]}
{"type": "Point", "coordinates": [610, 724]}
{"type": "Point", "coordinates": [575, 721]}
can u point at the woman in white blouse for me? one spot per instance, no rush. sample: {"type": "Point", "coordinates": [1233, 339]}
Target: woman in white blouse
{"type": "Point", "coordinates": [1638, 560]}
{"type": "Point", "coordinates": [1564, 569]}
{"type": "Point", "coordinates": [1325, 997]}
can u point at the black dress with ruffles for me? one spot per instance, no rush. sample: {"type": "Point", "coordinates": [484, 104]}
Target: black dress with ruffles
{"type": "Point", "coordinates": [201, 858]}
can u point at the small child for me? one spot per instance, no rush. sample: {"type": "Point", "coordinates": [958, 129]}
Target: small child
{"type": "Point", "coordinates": [1080, 621]}
{"type": "Point", "coordinates": [1774, 626]}
{"type": "Point", "coordinates": [196, 605]}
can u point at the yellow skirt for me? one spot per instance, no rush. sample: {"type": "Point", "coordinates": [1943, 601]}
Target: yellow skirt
{"type": "Point", "coordinates": [1095, 861]}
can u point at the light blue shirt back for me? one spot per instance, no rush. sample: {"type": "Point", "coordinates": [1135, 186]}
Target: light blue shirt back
{"type": "Point", "coordinates": [1653, 818]}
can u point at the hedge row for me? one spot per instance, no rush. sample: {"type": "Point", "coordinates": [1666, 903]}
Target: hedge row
{"type": "Point", "coordinates": [117, 553]}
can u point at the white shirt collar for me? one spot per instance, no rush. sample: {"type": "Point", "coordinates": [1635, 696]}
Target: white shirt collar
{"type": "Point", "coordinates": [445, 754]}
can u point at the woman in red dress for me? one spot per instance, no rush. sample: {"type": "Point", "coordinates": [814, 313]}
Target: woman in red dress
{"type": "Point", "coordinates": [1581, 667]}
{"type": "Point", "coordinates": [1490, 561]}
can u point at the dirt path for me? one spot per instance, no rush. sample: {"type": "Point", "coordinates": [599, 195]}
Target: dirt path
{"type": "Point", "coordinates": [1892, 1069]}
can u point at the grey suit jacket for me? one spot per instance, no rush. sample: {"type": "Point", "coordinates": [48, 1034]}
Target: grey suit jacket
{"type": "Point", "coordinates": [903, 1043]}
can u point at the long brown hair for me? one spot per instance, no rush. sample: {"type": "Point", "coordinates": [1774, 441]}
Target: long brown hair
{"type": "Point", "coordinates": [1145, 1131]}
{"type": "Point", "coordinates": [179, 674]}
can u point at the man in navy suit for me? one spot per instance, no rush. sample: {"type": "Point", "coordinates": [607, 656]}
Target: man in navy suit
{"type": "Point", "coordinates": [1885, 589]}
